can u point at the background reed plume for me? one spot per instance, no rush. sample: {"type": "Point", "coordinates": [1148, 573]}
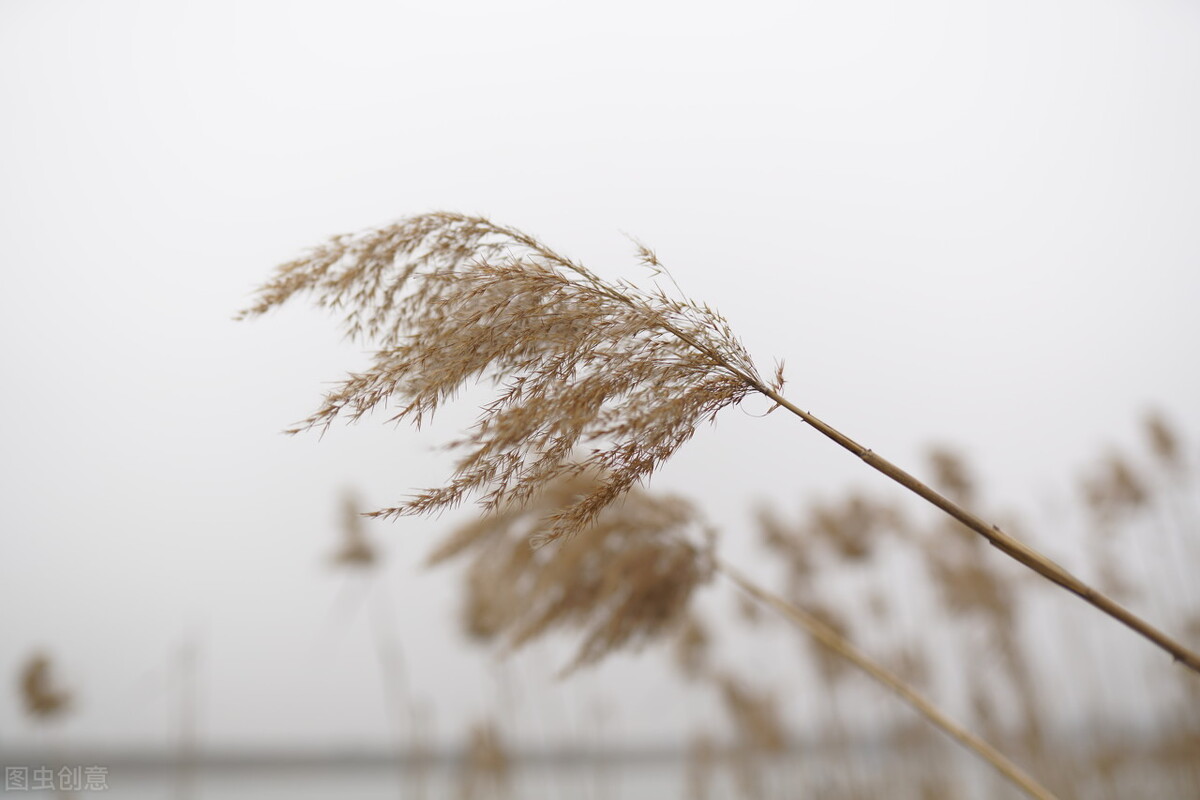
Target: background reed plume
{"type": "Point", "coordinates": [487, 764]}
{"type": "Point", "coordinates": [628, 580]}
{"type": "Point", "coordinates": [43, 697]}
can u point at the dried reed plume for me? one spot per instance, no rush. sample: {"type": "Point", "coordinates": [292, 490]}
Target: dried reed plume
{"type": "Point", "coordinates": [1164, 442]}
{"type": "Point", "coordinates": [624, 373]}
{"type": "Point", "coordinates": [691, 648]}
{"type": "Point", "coordinates": [755, 714]}
{"type": "Point", "coordinates": [760, 732]}
{"type": "Point", "coordinates": [580, 363]}
{"type": "Point", "coordinates": [627, 580]}
{"type": "Point", "coordinates": [486, 771]}
{"type": "Point", "coordinates": [630, 578]}
{"type": "Point", "coordinates": [355, 549]}
{"type": "Point", "coordinates": [43, 700]}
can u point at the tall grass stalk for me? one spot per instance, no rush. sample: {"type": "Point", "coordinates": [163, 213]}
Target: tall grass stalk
{"type": "Point", "coordinates": [830, 639]}
{"type": "Point", "coordinates": [997, 538]}
{"type": "Point", "coordinates": [357, 554]}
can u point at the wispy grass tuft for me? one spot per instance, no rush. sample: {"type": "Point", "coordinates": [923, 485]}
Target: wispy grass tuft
{"type": "Point", "coordinates": [623, 374]}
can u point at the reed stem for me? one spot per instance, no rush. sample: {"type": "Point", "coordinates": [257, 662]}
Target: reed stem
{"type": "Point", "coordinates": [1000, 540]}
{"type": "Point", "coordinates": [829, 638]}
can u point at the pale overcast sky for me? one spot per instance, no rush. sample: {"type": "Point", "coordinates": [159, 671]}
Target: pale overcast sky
{"type": "Point", "coordinates": [973, 223]}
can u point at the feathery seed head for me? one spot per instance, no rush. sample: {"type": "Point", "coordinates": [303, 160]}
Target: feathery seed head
{"type": "Point", "coordinates": [621, 373]}
{"type": "Point", "coordinates": [1164, 441]}
{"type": "Point", "coordinates": [355, 549]}
{"type": "Point", "coordinates": [42, 698]}
{"type": "Point", "coordinates": [692, 645]}
{"type": "Point", "coordinates": [756, 716]}
{"type": "Point", "coordinates": [625, 580]}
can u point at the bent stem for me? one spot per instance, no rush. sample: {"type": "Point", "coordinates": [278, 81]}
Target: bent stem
{"type": "Point", "coordinates": [830, 639]}
{"type": "Point", "coordinates": [998, 539]}
{"type": "Point", "coordinates": [632, 391]}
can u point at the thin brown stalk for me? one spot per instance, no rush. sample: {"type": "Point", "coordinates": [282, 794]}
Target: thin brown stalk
{"type": "Point", "coordinates": [829, 638]}
{"type": "Point", "coordinates": [630, 578]}
{"type": "Point", "coordinates": [996, 537]}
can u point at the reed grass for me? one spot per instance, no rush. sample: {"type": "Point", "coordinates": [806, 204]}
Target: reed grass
{"type": "Point", "coordinates": [597, 385]}
{"type": "Point", "coordinates": [982, 625]}
{"type": "Point", "coordinates": [357, 553]}
{"type": "Point", "coordinates": [43, 697]}
{"type": "Point", "coordinates": [623, 584]}
{"type": "Point", "coordinates": [623, 373]}
{"type": "Point", "coordinates": [631, 578]}
{"type": "Point", "coordinates": [830, 639]}
{"type": "Point", "coordinates": [487, 764]}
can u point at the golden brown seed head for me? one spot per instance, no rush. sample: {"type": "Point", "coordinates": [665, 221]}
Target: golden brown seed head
{"type": "Point", "coordinates": [622, 582]}
{"type": "Point", "coordinates": [622, 374]}
{"type": "Point", "coordinates": [43, 700]}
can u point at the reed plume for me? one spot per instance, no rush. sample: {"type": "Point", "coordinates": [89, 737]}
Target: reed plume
{"type": "Point", "coordinates": [627, 580]}
{"type": "Point", "coordinates": [691, 648]}
{"type": "Point", "coordinates": [355, 549]}
{"type": "Point", "coordinates": [701, 760]}
{"type": "Point", "coordinates": [630, 579]}
{"type": "Point", "coordinates": [43, 698]}
{"type": "Point", "coordinates": [756, 715]}
{"type": "Point", "coordinates": [1164, 441]}
{"type": "Point", "coordinates": [579, 363]}
{"type": "Point", "coordinates": [485, 772]}
{"type": "Point", "coordinates": [622, 373]}
{"type": "Point", "coordinates": [760, 732]}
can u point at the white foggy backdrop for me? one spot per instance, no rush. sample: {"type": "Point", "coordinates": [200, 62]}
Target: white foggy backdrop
{"type": "Point", "coordinates": [965, 223]}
